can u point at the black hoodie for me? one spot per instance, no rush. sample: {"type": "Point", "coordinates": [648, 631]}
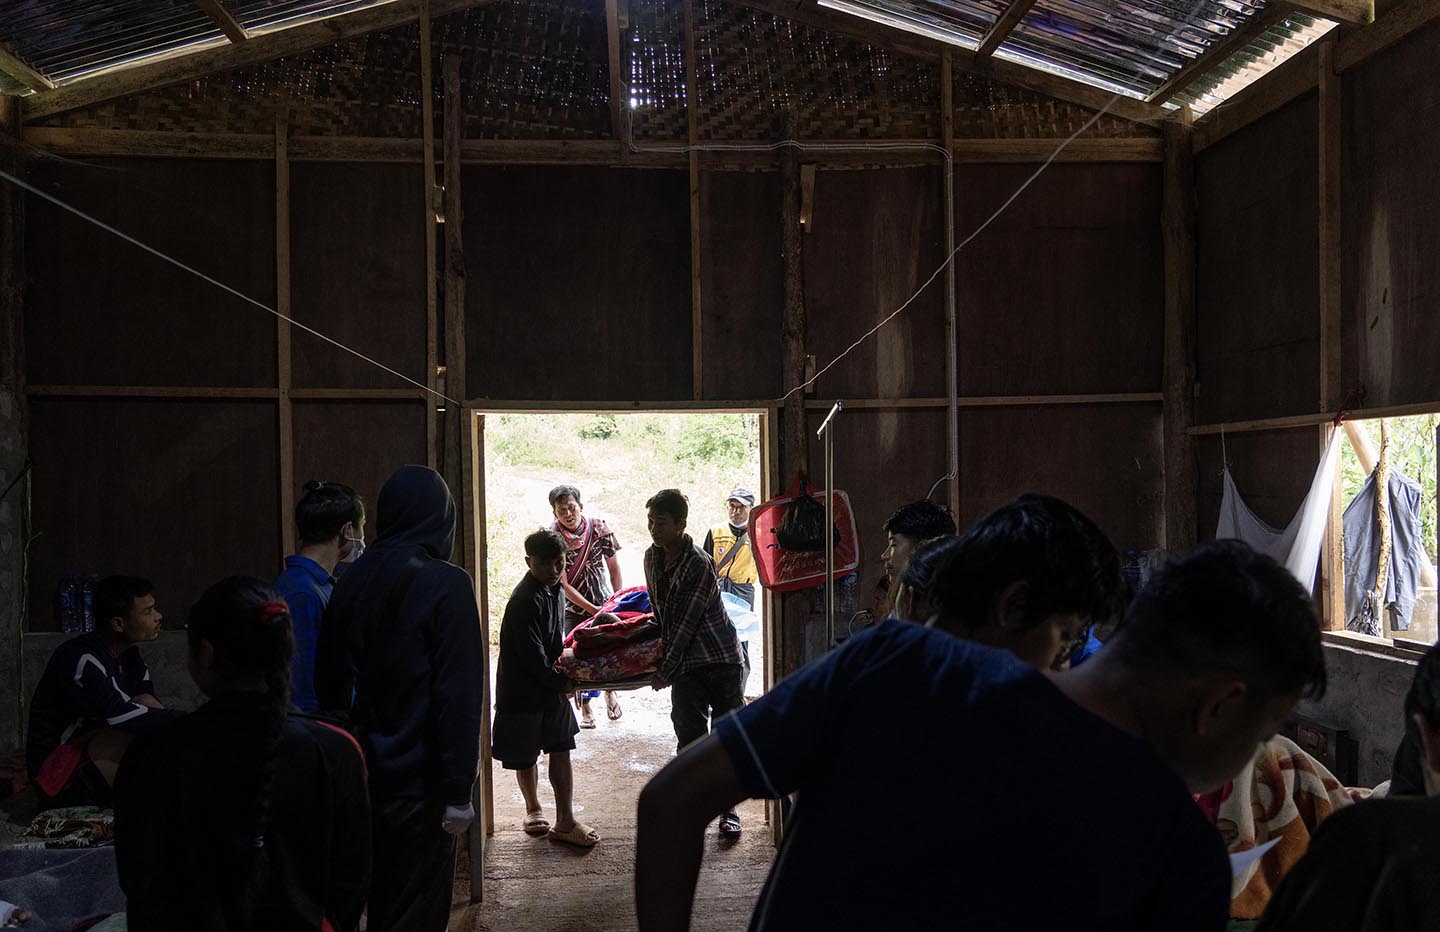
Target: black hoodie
{"type": "Point", "coordinates": [400, 648]}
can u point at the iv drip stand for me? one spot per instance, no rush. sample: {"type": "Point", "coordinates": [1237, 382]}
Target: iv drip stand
{"type": "Point", "coordinates": [827, 433]}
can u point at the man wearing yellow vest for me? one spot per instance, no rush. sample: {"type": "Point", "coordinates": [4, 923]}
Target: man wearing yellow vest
{"type": "Point", "coordinates": [729, 547]}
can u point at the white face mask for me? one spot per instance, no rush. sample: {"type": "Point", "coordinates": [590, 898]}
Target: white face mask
{"type": "Point", "coordinates": [355, 552]}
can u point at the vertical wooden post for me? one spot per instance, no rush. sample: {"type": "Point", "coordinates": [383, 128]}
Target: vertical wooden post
{"type": "Point", "coordinates": [697, 349]}
{"type": "Point", "coordinates": [455, 385]}
{"type": "Point", "coordinates": [14, 426]}
{"type": "Point", "coordinates": [795, 449]}
{"type": "Point", "coordinates": [474, 435]}
{"type": "Point", "coordinates": [282, 330]}
{"type": "Point", "coordinates": [1332, 557]}
{"type": "Point", "coordinates": [427, 121]}
{"type": "Point", "coordinates": [952, 333]}
{"type": "Point", "coordinates": [617, 82]}
{"type": "Point", "coordinates": [1178, 231]}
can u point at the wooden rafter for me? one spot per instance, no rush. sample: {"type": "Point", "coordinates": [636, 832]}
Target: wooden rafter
{"type": "Point", "coordinates": [282, 42]}
{"type": "Point", "coordinates": [927, 49]}
{"type": "Point", "coordinates": [617, 87]}
{"type": "Point", "coordinates": [1248, 32]}
{"type": "Point", "coordinates": [15, 66]}
{"type": "Point", "coordinates": [217, 11]}
{"type": "Point", "coordinates": [1002, 28]}
{"type": "Point", "coordinates": [1357, 12]}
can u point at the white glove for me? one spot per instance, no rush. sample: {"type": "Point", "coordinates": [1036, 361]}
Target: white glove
{"type": "Point", "coordinates": [458, 820]}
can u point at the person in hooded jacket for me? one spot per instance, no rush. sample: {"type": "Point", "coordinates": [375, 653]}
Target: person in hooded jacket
{"type": "Point", "coordinates": [400, 654]}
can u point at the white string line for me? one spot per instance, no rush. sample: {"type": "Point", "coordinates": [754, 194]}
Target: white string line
{"type": "Point", "coordinates": [25, 186]}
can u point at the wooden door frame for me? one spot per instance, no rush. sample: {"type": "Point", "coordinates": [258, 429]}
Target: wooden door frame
{"type": "Point", "coordinates": [474, 511]}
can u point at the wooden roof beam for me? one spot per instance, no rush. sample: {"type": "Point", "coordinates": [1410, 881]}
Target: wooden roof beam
{"type": "Point", "coordinates": [15, 66]}
{"type": "Point", "coordinates": [928, 49]}
{"type": "Point", "coordinates": [1356, 12]}
{"type": "Point", "coordinates": [1000, 31]}
{"type": "Point", "coordinates": [217, 11]}
{"type": "Point", "coordinates": [1248, 32]}
{"type": "Point", "coordinates": [291, 41]}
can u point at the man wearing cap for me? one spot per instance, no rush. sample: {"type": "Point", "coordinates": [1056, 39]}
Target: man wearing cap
{"type": "Point", "coordinates": [729, 546]}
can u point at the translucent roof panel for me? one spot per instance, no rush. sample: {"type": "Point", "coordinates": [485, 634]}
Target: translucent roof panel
{"type": "Point", "coordinates": [959, 22]}
{"type": "Point", "coordinates": [70, 39]}
{"type": "Point", "coordinates": [1286, 38]}
{"type": "Point", "coordinates": [266, 15]}
{"type": "Point", "coordinates": [1130, 47]}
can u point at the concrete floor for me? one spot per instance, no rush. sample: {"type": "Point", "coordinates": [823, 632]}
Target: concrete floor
{"type": "Point", "coordinates": [542, 886]}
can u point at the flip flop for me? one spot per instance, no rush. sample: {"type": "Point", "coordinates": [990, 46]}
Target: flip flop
{"type": "Point", "coordinates": [535, 823]}
{"type": "Point", "coordinates": [580, 835]}
{"type": "Point", "coordinates": [587, 722]}
{"type": "Point", "coordinates": [730, 825]}
{"type": "Point", "coordinates": [612, 707]}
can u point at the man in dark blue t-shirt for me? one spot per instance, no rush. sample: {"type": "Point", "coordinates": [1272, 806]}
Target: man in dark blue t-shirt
{"type": "Point", "coordinates": [941, 783]}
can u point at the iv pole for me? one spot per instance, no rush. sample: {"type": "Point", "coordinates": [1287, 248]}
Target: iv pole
{"type": "Point", "coordinates": [827, 433]}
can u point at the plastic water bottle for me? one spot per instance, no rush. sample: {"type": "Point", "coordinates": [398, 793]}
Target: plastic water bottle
{"type": "Point", "coordinates": [87, 602]}
{"type": "Point", "coordinates": [70, 617]}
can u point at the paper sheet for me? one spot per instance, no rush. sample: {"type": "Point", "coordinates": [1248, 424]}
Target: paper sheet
{"type": "Point", "coordinates": [1240, 860]}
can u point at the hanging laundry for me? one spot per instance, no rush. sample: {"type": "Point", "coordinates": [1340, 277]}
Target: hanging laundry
{"type": "Point", "coordinates": [1298, 544]}
{"type": "Point", "coordinates": [1362, 556]}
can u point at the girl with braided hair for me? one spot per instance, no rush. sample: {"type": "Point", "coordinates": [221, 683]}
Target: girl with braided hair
{"type": "Point", "coordinates": [243, 815]}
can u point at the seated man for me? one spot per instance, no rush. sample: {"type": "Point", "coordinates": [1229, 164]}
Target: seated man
{"type": "Point", "coordinates": [93, 698]}
{"type": "Point", "coordinates": [993, 795]}
{"type": "Point", "coordinates": [532, 714]}
{"type": "Point", "coordinates": [1372, 866]}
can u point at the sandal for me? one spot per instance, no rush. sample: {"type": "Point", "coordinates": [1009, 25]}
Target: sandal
{"type": "Point", "coordinates": [587, 720]}
{"type": "Point", "coordinates": [580, 835]}
{"type": "Point", "coordinates": [612, 707]}
{"type": "Point", "coordinates": [730, 825]}
{"type": "Point", "coordinates": [535, 823]}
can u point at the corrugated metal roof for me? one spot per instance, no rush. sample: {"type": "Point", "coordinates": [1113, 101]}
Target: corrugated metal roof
{"type": "Point", "coordinates": [1129, 47]}
{"type": "Point", "coordinates": [69, 39]}
{"type": "Point", "coordinates": [1258, 58]}
{"type": "Point", "coordinates": [268, 15]}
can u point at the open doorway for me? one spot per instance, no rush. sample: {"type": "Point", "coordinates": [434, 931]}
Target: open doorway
{"type": "Point", "coordinates": [617, 461]}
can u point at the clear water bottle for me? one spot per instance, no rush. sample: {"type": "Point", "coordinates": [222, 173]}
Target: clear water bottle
{"type": "Point", "coordinates": [87, 602]}
{"type": "Point", "coordinates": [71, 619]}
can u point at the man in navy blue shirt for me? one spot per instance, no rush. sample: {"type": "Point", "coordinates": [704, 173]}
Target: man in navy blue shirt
{"type": "Point", "coordinates": [330, 520]}
{"type": "Point", "coordinates": [990, 795]}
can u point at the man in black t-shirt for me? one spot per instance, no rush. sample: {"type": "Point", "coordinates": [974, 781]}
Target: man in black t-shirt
{"type": "Point", "coordinates": [531, 713]}
{"type": "Point", "coordinates": [1010, 797]}
{"type": "Point", "coordinates": [94, 697]}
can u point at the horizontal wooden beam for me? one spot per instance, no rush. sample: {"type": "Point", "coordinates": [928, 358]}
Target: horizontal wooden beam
{"type": "Point", "coordinates": [989, 401]}
{"type": "Point", "coordinates": [493, 405]}
{"type": "Point", "coordinates": [928, 49]}
{"type": "Point", "coordinates": [135, 79]}
{"type": "Point", "coordinates": [223, 393]}
{"type": "Point", "coordinates": [87, 142]}
{"type": "Point", "coordinates": [16, 67]}
{"type": "Point", "coordinates": [1356, 12]}
{"type": "Point", "coordinates": [1300, 75]}
{"type": "Point", "coordinates": [1002, 27]}
{"type": "Point", "coordinates": [1248, 32]}
{"type": "Point", "coordinates": [222, 17]}
{"type": "Point", "coordinates": [1295, 421]}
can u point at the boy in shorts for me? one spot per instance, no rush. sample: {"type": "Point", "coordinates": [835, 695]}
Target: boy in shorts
{"type": "Point", "coordinates": [532, 714]}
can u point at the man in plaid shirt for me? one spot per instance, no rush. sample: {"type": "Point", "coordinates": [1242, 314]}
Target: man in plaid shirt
{"type": "Point", "coordinates": [700, 661]}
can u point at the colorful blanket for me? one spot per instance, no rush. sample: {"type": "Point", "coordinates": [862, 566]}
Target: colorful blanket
{"type": "Point", "coordinates": [620, 642]}
{"type": "Point", "coordinates": [1283, 793]}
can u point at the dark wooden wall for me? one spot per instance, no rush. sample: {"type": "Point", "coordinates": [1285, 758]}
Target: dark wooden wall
{"type": "Point", "coordinates": [578, 288]}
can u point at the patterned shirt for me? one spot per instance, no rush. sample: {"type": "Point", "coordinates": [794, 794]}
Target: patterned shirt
{"type": "Point", "coordinates": [588, 548]}
{"type": "Point", "coordinates": [694, 629]}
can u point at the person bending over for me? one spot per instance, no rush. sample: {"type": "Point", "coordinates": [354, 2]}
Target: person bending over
{"type": "Point", "coordinates": [592, 575]}
{"type": "Point", "coordinates": [400, 653]}
{"type": "Point", "coordinates": [1373, 867]}
{"type": "Point", "coordinates": [330, 520]}
{"type": "Point", "coordinates": [532, 714]}
{"type": "Point", "coordinates": [241, 815]}
{"type": "Point", "coordinates": [700, 657]}
{"type": "Point", "coordinates": [94, 697]}
{"type": "Point", "coordinates": [1023, 793]}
